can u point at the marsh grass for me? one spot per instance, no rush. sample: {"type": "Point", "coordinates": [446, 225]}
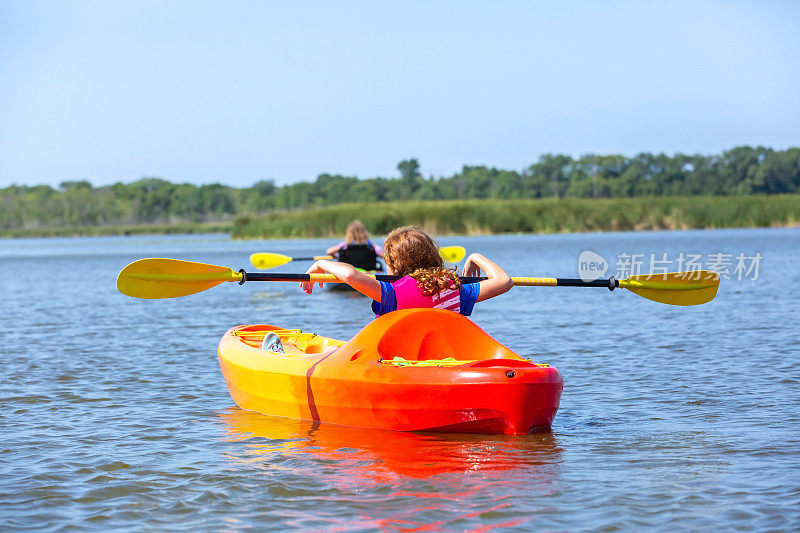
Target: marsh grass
{"type": "Point", "coordinates": [480, 217]}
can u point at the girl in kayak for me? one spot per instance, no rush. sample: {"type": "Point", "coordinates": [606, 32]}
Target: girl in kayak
{"type": "Point", "coordinates": [425, 282]}
{"type": "Point", "coordinates": [356, 248]}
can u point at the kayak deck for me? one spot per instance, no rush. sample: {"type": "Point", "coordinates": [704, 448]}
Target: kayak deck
{"type": "Point", "coordinates": [410, 370]}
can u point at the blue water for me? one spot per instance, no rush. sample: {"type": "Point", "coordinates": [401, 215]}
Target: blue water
{"type": "Point", "coordinates": [115, 414]}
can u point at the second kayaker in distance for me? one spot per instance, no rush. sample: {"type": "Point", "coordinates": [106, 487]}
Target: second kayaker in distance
{"type": "Point", "coordinates": [357, 249]}
{"type": "Point", "coordinates": [425, 282]}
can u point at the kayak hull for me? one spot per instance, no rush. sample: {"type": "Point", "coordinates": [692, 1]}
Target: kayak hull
{"type": "Point", "coordinates": [392, 375]}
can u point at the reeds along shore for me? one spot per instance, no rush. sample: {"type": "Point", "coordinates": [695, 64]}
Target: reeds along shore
{"type": "Point", "coordinates": [481, 217]}
{"type": "Point", "coordinates": [476, 217]}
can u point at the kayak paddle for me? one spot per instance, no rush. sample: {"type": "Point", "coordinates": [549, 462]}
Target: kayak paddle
{"type": "Point", "coordinates": [170, 278]}
{"type": "Point", "coordinates": [267, 260]}
{"type": "Point", "coordinates": [452, 254]}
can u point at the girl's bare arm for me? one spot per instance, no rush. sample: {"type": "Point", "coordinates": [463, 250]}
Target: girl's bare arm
{"type": "Point", "coordinates": [498, 282]}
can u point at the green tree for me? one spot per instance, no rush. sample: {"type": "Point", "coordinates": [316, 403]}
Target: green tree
{"type": "Point", "coordinates": [410, 174]}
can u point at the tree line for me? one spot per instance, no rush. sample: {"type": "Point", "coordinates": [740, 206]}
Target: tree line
{"type": "Point", "coordinates": [742, 170]}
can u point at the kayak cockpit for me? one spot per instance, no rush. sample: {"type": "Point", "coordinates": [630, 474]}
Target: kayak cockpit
{"type": "Point", "coordinates": [414, 337]}
{"type": "Point", "coordinates": [296, 342]}
{"type": "Point", "coordinates": [433, 335]}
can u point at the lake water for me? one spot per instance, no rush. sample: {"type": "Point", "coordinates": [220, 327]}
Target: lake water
{"type": "Point", "coordinates": [115, 414]}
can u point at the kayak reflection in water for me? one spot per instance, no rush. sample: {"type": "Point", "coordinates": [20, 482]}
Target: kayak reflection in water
{"type": "Point", "coordinates": [356, 249]}
{"type": "Point", "coordinates": [425, 282]}
{"type": "Point", "coordinates": [369, 458]}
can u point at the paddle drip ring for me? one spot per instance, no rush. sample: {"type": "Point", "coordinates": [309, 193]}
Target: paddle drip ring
{"type": "Point", "coordinates": [612, 283]}
{"type": "Point", "coordinates": [244, 276]}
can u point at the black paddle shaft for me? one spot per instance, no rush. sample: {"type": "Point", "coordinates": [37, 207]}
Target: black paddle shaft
{"type": "Point", "coordinates": [610, 283]}
{"type": "Point", "coordinates": [266, 276]}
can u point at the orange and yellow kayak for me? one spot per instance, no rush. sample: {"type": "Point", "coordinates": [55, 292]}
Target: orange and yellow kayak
{"type": "Point", "coordinates": [409, 370]}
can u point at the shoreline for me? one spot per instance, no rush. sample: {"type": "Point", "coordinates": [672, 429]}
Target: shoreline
{"type": "Point", "coordinates": [378, 235]}
{"type": "Point", "coordinates": [115, 230]}
{"type": "Point", "coordinates": [479, 217]}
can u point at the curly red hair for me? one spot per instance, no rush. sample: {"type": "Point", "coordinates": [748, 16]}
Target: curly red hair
{"type": "Point", "coordinates": [412, 252]}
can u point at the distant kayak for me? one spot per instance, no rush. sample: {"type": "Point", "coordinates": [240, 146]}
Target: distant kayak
{"type": "Point", "coordinates": [409, 370]}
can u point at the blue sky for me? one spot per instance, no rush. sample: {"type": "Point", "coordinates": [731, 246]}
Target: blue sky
{"type": "Point", "coordinates": [240, 91]}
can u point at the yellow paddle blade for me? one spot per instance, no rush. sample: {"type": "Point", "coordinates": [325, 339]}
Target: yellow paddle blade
{"type": "Point", "coordinates": [452, 254]}
{"type": "Point", "coordinates": [676, 288]}
{"type": "Point", "coordinates": [266, 260]}
{"type": "Point", "coordinates": [170, 278]}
